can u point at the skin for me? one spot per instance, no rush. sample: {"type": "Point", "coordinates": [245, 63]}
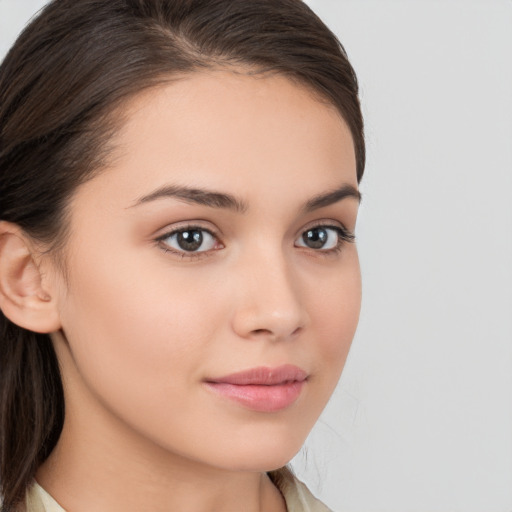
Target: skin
{"type": "Point", "coordinates": [142, 326]}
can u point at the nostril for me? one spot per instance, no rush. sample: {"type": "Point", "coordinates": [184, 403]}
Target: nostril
{"type": "Point", "coordinates": [269, 332]}
{"type": "Point", "coordinates": [261, 331]}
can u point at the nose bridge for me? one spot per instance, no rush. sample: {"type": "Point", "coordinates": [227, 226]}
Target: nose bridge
{"type": "Point", "coordinates": [269, 301]}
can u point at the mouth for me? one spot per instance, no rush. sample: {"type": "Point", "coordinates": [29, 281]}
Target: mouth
{"type": "Point", "coordinates": [261, 389]}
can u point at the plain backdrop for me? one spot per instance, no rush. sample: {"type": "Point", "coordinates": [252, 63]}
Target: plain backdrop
{"type": "Point", "coordinates": [422, 418]}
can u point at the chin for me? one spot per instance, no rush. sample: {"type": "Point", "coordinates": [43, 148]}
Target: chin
{"type": "Point", "coordinates": [266, 450]}
{"type": "Point", "coordinates": [254, 461]}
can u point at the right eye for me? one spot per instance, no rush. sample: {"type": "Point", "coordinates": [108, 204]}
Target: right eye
{"type": "Point", "coordinates": [190, 239]}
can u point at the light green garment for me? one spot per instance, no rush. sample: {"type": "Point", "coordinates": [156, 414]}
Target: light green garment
{"type": "Point", "coordinates": [296, 494]}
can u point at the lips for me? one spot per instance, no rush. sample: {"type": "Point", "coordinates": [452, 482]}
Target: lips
{"type": "Point", "coordinates": [261, 389]}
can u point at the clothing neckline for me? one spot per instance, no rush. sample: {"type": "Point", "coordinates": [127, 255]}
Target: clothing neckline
{"type": "Point", "coordinates": [296, 495]}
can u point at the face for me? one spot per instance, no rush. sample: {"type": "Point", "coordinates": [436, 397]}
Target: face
{"type": "Point", "coordinates": [213, 287]}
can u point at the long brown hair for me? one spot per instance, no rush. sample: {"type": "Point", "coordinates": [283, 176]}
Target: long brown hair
{"type": "Point", "coordinates": [69, 70]}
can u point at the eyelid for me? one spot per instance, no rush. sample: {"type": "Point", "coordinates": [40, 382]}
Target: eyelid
{"type": "Point", "coordinates": [187, 226]}
{"type": "Point", "coordinates": [347, 234]}
{"type": "Point", "coordinates": [344, 236]}
{"type": "Point", "coordinates": [343, 233]}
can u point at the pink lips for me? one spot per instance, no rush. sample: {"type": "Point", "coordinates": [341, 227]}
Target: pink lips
{"type": "Point", "coordinates": [262, 389]}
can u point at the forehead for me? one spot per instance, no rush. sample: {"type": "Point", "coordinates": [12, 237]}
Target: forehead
{"type": "Point", "coordinates": [244, 115]}
{"type": "Point", "coordinates": [227, 130]}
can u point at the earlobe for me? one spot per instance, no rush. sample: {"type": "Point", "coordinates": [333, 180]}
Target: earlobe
{"type": "Point", "coordinates": [23, 299]}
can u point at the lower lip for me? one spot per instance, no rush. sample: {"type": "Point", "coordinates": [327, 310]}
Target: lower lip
{"type": "Point", "coordinates": [258, 397]}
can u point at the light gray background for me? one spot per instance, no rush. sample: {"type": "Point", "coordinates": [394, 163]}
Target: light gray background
{"type": "Point", "coordinates": [422, 419]}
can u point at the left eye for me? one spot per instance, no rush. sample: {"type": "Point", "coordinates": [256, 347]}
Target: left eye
{"type": "Point", "coordinates": [190, 240]}
{"type": "Point", "coordinates": [320, 237]}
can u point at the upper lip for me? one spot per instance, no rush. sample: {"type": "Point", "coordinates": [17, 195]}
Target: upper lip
{"type": "Point", "coordinates": [263, 376]}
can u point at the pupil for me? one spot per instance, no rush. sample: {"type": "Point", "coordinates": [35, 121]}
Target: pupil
{"type": "Point", "coordinates": [315, 238]}
{"type": "Point", "coordinates": [190, 240]}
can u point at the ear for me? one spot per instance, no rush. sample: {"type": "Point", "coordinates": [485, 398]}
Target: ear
{"type": "Point", "coordinates": [23, 299]}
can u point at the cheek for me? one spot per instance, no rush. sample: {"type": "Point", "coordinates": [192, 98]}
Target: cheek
{"type": "Point", "coordinates": [335, 315]}
{"type": "Point", "coordinates": [132, 327]}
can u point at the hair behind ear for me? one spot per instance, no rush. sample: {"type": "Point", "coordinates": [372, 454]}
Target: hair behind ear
{"type": "Point", "coordinates": [31, 408]}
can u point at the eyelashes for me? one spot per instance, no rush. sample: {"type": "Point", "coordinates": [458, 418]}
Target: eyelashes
{"type": "Point", "coordinates": [190, 241]}
{"type": "Point", "coordinates": [194, 241]}
{"type": "Point", "coordinates": [324, 238]}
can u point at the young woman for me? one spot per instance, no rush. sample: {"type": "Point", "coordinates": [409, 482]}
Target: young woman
{"type": "Point", "coordinates": [179, 285]}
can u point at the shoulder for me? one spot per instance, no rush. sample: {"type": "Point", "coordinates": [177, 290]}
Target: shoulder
{"type": "Point", "coordinates": [297, 496]}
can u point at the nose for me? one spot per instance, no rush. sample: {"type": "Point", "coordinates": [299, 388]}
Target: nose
{"type": "Point", "coordinates": [268, 301]}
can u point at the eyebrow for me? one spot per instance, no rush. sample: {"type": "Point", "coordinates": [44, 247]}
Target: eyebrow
{"type": "Point", "coordinates": [224, 200]}
{"type": "Point", "coordinates": [328, 198]}
{"type": "Point", "coordinates": [196, 196]}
